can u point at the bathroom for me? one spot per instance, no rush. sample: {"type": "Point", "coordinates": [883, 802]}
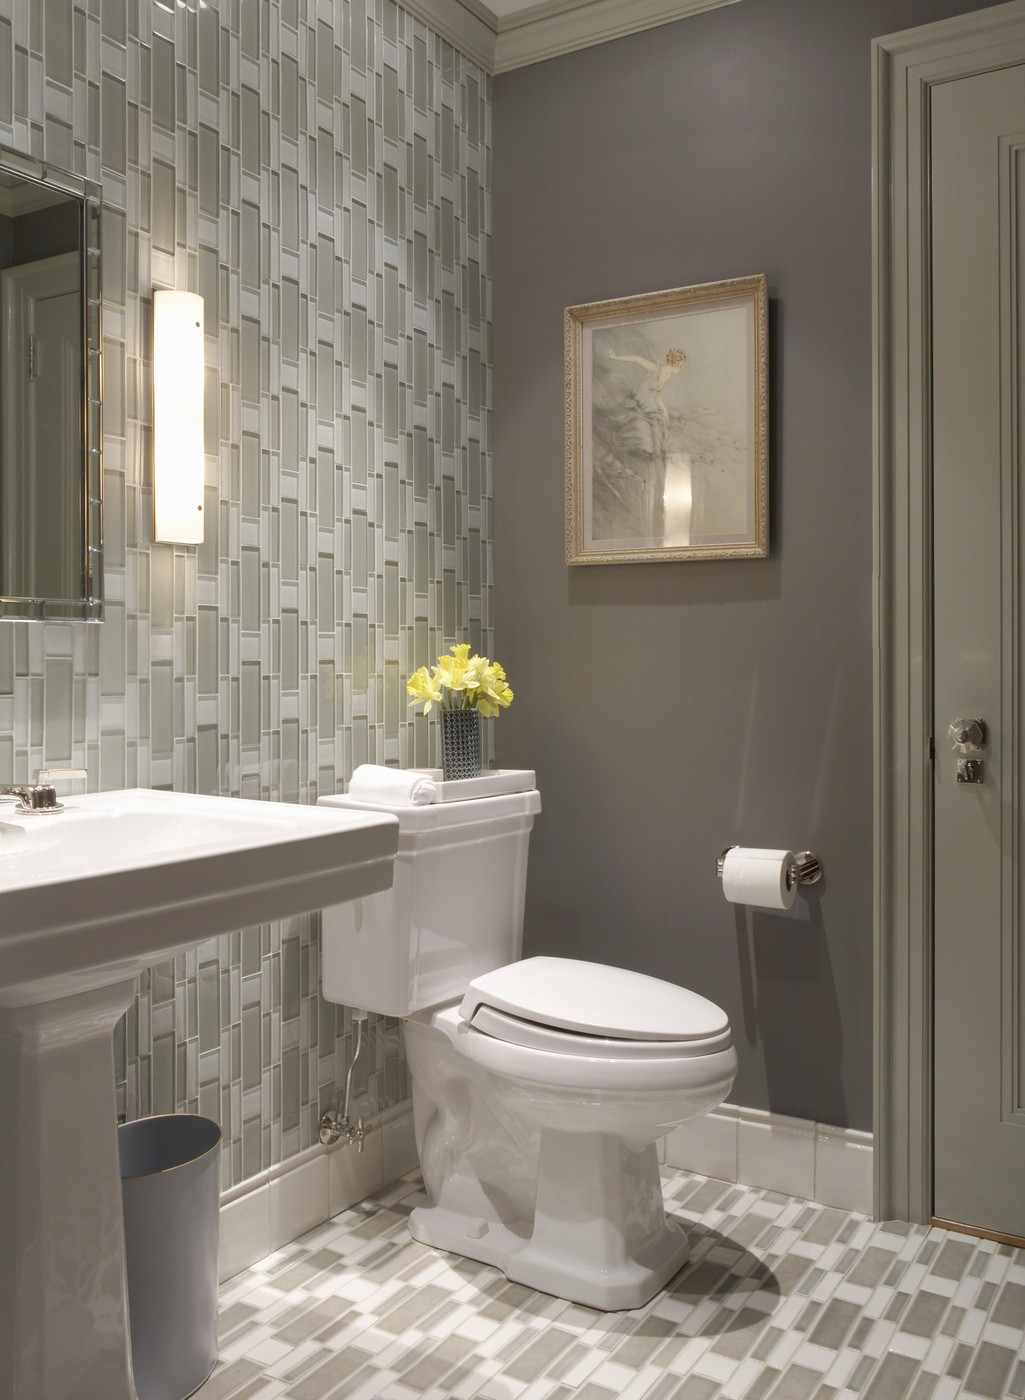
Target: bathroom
{"type": "Point", "coordinates": [385, 246]}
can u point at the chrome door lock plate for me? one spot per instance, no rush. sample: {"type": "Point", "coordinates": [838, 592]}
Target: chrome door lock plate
{"type": "Point", "coordinates": [969, 770]}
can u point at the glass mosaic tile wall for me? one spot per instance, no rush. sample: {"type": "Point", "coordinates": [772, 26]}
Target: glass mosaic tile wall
{"type": "Point", "coordinates": [319, 171]}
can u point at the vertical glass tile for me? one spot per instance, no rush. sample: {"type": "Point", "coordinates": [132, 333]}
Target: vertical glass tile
{"type": "Point", "coordinates": [321, 331]}
{"type": "Point", "coordinates": [112, 122]}
{"type": "Point", "coordinates": [289, 649]}
{"type": "Point", "coordinates": [59, 709]}
{"type": "Point", "coordinates": [290, 1091]}
{"type": "Point", "coordinates": [163, 1069]}
{"type": "Point", "coordinates": [208, 778]}
{"type": "Point", "coordinates": [250, 717]}
{"type": "Point", "coordinates": [250, 360]}
{"type": "Point", "coordinates": [112, 650]}
{"type": "Point", "coordinates": [209, 49]}
{"type": "Point", "coordinates": [162, 82]}
{"type": "Point", "coordinates": [251, 1153]}
{"type": "Point", "coordinates": [209, 169]}
{"type": "Point", "coordinates": [358, 137]}
{"type": "Point", "coordinates": [252, 1052]}
{"type": "Point", "coordinates": [290, 748]}
{"type": "Point", "coordinates": [162, 709]}
{"type": "Point", "coordinates": [58, 34]}
{"type": "Point", "coordinates": [250, 131]}
{"type": "Point", "coordinates": [164, 205]}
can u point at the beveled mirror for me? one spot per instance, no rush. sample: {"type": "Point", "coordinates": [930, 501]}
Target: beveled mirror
{"type": "Point", "coordinates": [50, 391]}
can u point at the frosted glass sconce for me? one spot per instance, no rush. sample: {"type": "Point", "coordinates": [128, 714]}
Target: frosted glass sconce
{"type": "Point", "coordinates": [178, 467]}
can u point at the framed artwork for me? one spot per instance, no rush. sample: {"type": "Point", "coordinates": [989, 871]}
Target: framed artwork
{"type": "Point", "coordinates": [666, 425]}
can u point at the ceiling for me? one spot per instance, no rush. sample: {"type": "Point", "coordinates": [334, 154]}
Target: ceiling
{"type": "Point", "coordinates": [504, 34]}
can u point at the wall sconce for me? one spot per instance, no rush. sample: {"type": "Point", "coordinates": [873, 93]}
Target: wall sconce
{"type": "Point", "coordinates": [178, 455]}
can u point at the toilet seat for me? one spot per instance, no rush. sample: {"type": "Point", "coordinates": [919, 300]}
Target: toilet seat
{"type": "Point", "coordinates": [514, 1030]}
{"type": "Point", "coordinates": [563, 1005]}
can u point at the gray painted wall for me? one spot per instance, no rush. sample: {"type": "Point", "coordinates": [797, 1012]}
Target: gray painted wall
{"type": "Point", "coordinates": [673, 709]}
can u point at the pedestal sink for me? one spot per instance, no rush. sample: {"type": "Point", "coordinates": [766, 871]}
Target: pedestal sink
{"type": "Point", "coordinates": [88, 898]}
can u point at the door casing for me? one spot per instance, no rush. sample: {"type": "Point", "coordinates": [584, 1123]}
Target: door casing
{"type": "Point", "coordinates": [905, 66]}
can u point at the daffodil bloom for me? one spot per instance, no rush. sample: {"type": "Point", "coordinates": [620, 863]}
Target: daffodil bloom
{"type": "Point", "coordinates": [461, 682]}
{"type": "Point", "coordinates": [424, 687]}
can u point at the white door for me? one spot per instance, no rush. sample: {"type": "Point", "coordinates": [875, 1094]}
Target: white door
{"type": "Point", "coordinates": [978, 350]}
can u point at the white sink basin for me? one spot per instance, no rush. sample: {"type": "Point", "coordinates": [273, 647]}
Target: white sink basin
{"type": "Point", "coordinates": [120, 880]}
{"type": "Point", "coordinates": [88, 898]}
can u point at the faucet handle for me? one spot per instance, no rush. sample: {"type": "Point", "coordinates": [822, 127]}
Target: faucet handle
{"type": "Point", "coordinates": [62, 775]}
{"type": "Point", "coordinates": [41, 797]}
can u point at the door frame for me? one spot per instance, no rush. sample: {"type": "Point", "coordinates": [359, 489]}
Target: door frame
{"type": "Point", "coordinates": [905, 66]}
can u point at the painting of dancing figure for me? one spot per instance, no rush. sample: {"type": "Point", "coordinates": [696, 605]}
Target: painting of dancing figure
{"type": "Point", "coordinates": [666, 415]}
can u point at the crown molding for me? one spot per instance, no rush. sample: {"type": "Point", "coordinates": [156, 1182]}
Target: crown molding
{"type": "Point", "coordinates": [547, 29]}
{"type": "Point", "coordinates": [561, 26]}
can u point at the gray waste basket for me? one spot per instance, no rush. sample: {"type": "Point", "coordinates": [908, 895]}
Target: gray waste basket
{"type": "Point", "coordinates": [170, 1182]}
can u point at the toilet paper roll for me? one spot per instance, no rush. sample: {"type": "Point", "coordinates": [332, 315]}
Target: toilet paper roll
{"type": "Point", "coordinates": [753, 876]}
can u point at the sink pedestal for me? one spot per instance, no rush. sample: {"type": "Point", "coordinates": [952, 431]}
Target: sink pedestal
{"type": "Point", "coordinates": [118, 882]}
{"type": "Point", "coordinates": [63, 1309]}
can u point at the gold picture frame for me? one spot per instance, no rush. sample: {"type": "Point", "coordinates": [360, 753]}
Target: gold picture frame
{"type": "Point", "coordinates": [666, 425]}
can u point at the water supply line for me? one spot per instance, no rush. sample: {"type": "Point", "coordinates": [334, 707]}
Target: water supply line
{"type": "Point", "coordinates": [333, 1127]}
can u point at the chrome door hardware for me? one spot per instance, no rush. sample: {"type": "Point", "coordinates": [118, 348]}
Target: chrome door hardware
{"type": "Point", "coordinates": [969, 770]}
{"type": "Point", "coordinates": [967, 735]}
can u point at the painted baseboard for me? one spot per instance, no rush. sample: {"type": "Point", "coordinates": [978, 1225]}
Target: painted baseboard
{"type": "Point", "coordinates": [753, 1147]}
{"type": "Point", "coordinates": [268, 1211]}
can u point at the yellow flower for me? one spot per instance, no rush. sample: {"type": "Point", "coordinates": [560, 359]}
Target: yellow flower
{"type": "Point", "coordinates": [494, 692]}
{"type": "Point", "coordinates": [476, 670]}
{"type": "Point", "coordinates": [451, 671]}
{"type": "Point", "coordinates": [424, 687]}
{"type": "Point", "coordinates": [461, 681]}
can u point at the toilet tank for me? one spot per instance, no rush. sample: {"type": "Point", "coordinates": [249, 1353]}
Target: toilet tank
{"type": "Point", "coordinates": [455, 908]}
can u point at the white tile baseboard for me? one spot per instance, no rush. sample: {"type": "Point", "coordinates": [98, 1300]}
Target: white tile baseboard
{"type": "Point", "coordinates": [268, 1211]}
{"type": "Point", "coordinates": [750, 1146]}
{"type": "Point", "coordinates": [753, 1147]}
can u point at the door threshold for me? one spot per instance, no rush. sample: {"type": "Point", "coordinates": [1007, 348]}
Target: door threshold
{"type": "Point", "coordinates": [1017, 1241]}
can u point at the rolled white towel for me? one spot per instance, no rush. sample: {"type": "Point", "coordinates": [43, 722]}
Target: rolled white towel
{"type": "Point", "coordinates": [372, 782]}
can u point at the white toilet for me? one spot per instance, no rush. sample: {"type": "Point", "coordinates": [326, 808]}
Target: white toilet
{"type": "Point", "coordinates": [540, 1087]}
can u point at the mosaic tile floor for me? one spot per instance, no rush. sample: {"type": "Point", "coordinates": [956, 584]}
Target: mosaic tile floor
{"type": "Point", "coordinates": [782, 1300]}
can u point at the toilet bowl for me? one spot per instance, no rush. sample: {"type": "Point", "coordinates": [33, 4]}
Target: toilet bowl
{"type": "Point", "coordinates": [540, 1086]}
{"type": "Point", "coordinates": [575, 1207]}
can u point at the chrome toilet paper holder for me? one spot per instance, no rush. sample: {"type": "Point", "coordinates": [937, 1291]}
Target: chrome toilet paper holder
{"type": "Point", "coordinates": [806, 868]}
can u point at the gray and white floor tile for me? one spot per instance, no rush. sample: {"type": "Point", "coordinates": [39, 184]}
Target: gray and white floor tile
{"type": "Point", "coordinates": [781, 1300]}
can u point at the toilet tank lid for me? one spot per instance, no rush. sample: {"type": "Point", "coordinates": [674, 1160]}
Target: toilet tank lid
{"type": "Point", "coordinates": [440, 816]}
{"type": "Point", "coordinates": [593, 999]}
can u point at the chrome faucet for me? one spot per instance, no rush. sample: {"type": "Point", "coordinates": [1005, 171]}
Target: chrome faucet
{"type": "Point", "coordinates": [34, 797]}
{"type": "Point", "coordinates": [41, 796]}
{"type": "Point", "coordinates": [62, 775]}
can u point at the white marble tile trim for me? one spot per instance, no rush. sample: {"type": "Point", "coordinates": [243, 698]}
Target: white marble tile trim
{"type": "Point", "coordinates": [270, 1210]}
{"type": "Point", "coordinates": [753, 1147]}
{"type": "Point", "coordinates": [748, 1146]}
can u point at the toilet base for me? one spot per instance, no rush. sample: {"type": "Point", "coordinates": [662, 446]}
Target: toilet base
{"type": "Point", "coordinates": [600, 1235]}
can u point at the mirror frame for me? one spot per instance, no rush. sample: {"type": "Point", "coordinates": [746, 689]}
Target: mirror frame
{"type": "Point", "coordinates": [89, 604]}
